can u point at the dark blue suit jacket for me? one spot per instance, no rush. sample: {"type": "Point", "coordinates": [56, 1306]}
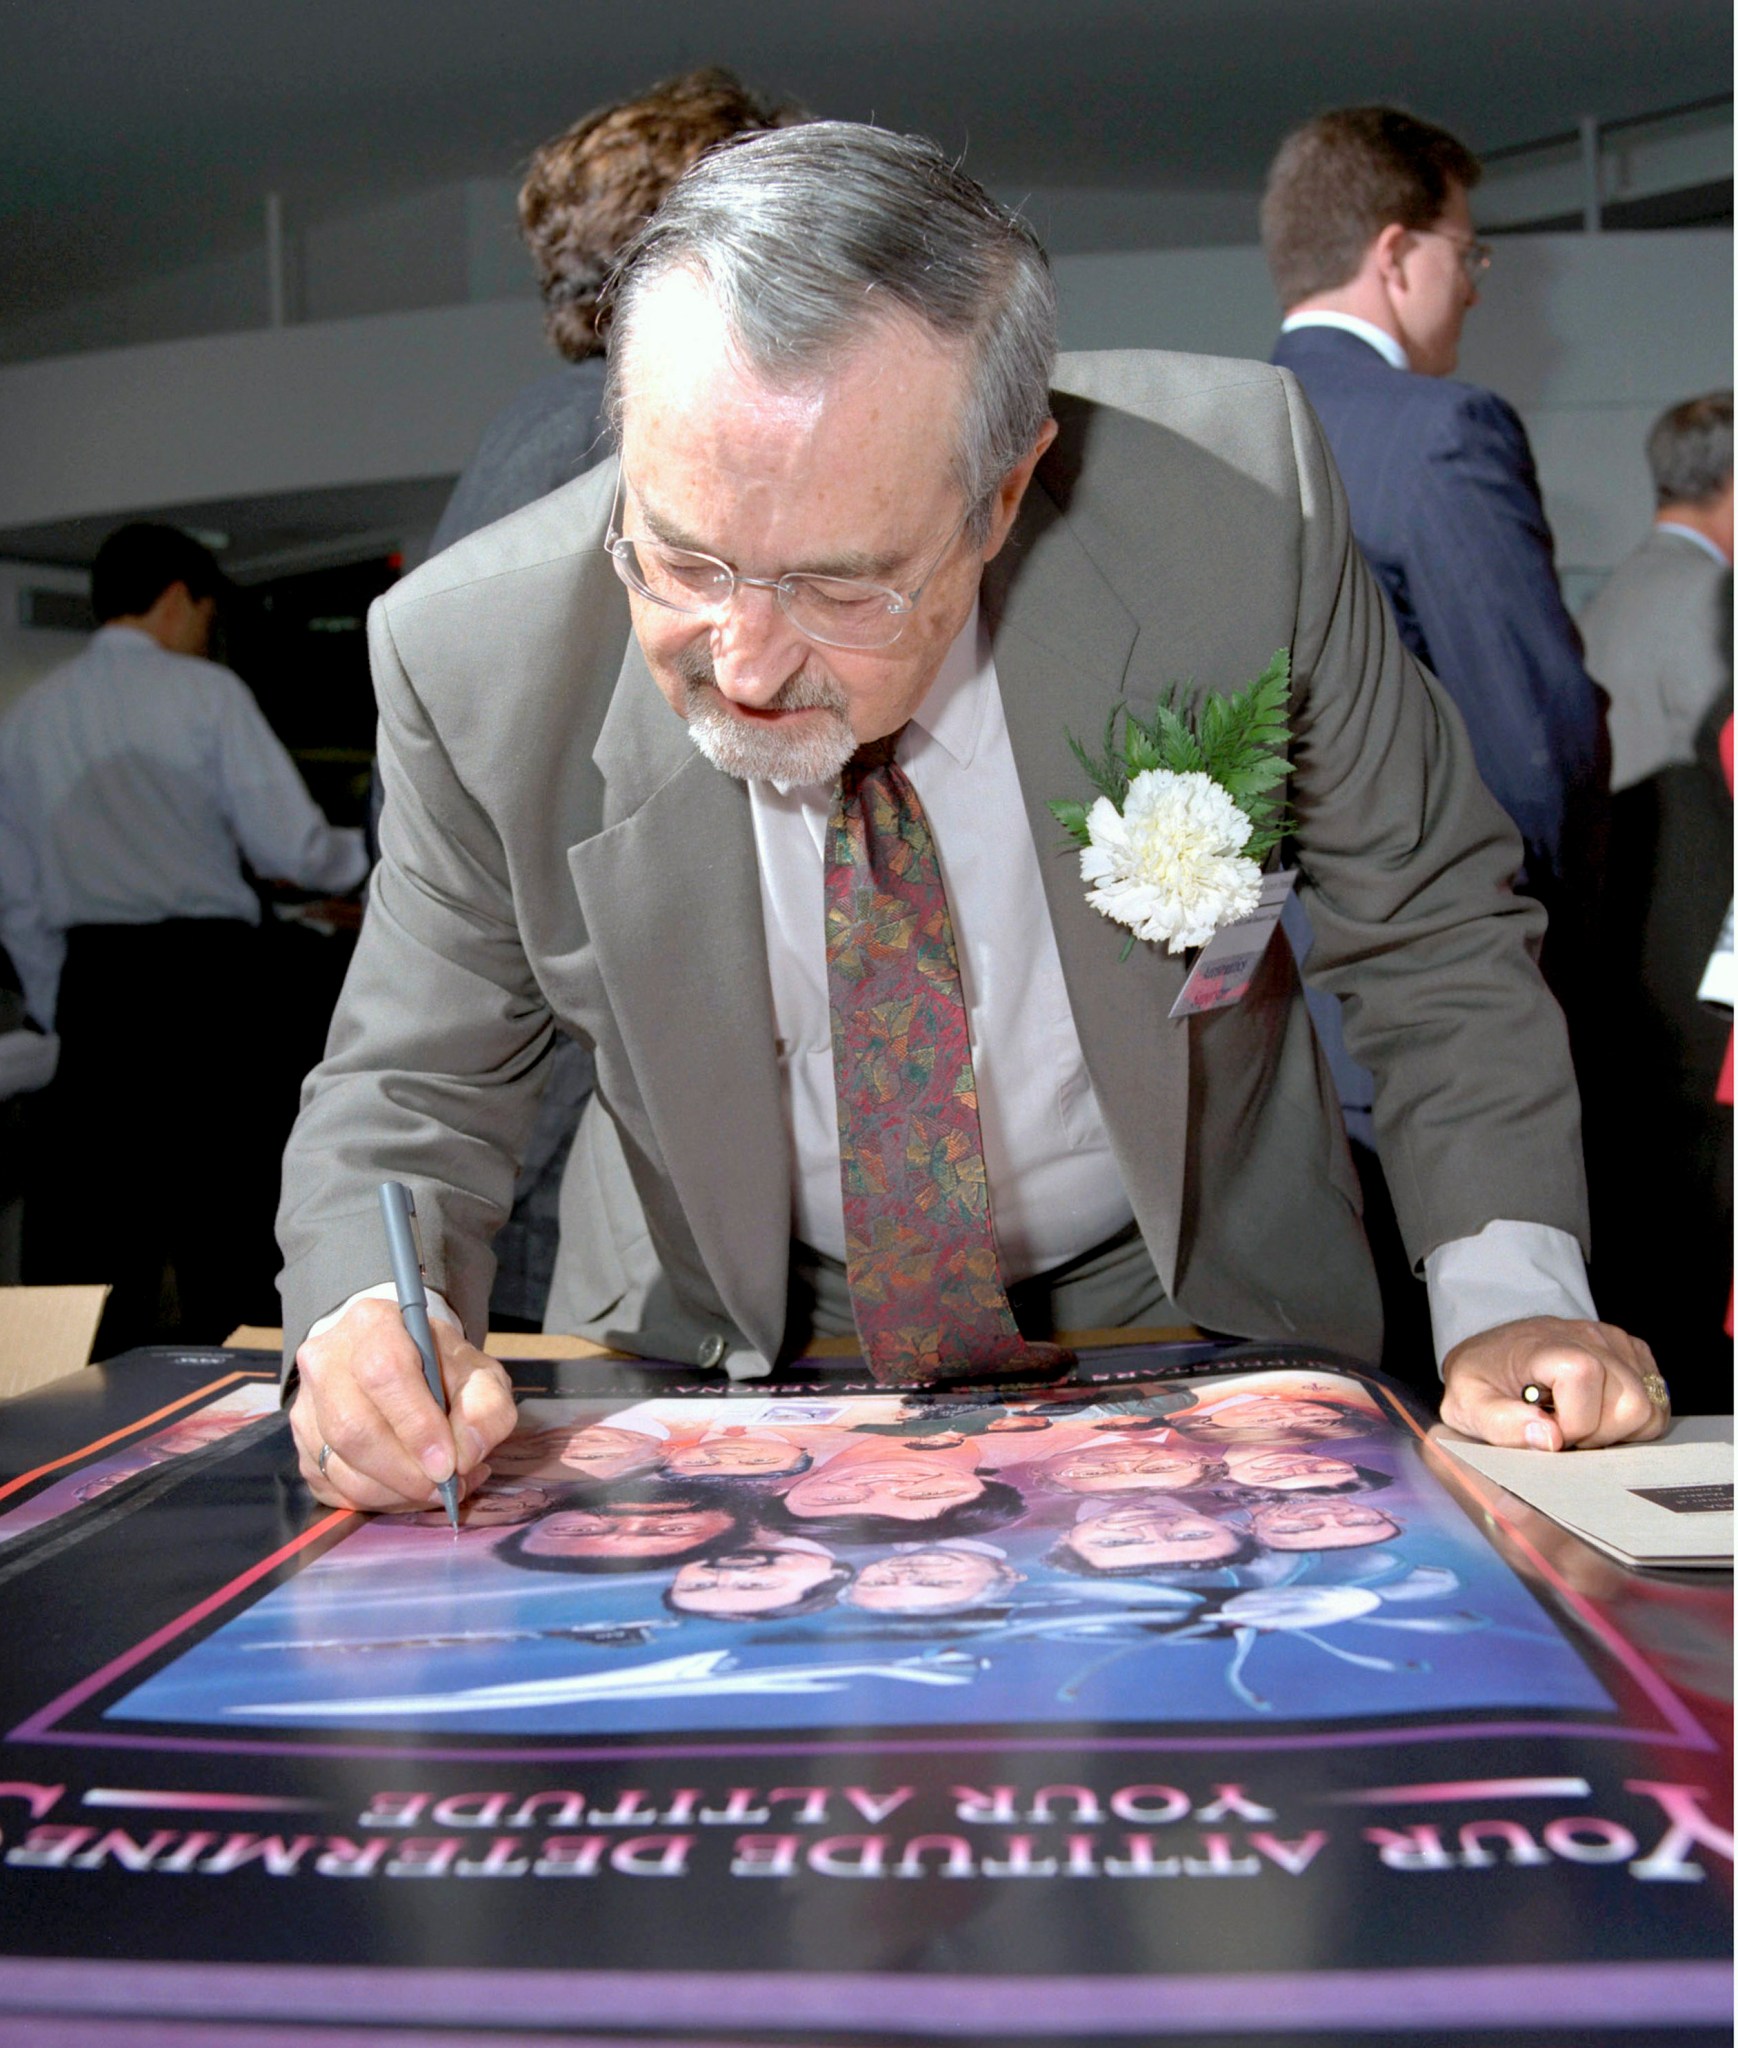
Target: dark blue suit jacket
{"type": "Point", "coordinates": [540, 439]}
{"type": "Point", "coordinates": [1445, 506]}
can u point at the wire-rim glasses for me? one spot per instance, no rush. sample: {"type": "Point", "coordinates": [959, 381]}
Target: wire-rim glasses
{"type": "Point", "coordinates": [837, 611]}
{"type": "Point", "coordinates": [1475, 256]}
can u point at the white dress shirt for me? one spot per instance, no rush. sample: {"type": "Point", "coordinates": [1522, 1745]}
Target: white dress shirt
{"type": "Point", "coordinates": [132, 783]}
{"type": "Point", "coordinates": [1054, 1187]}
{"type": "Point", "coordinates": [1696, 539]}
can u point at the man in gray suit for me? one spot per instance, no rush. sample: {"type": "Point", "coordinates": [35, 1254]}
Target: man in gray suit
{"type": "Point", "coordinates": [606, 809]}
{"type": "Point", "coordinates": [1659, 634]}
{"type": "Point", "coordinates": [1659, 637]}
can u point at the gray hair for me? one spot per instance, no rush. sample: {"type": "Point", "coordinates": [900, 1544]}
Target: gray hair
{"type": "Point", "coordinates": [809, 237]}
{"type": "Point", "coordinates": [1689, 450]}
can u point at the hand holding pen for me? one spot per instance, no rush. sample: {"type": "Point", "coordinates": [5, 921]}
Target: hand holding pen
{"type": "Point", "coordinates": [1550, 1383]}
{"type": "Point", "coordinates": [370, 1427]}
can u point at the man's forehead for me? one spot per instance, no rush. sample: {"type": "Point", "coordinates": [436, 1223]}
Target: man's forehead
{"type": "Point", "coordinates": [684, 372]}
{"type": "Point", "coordinates": [680, 354]}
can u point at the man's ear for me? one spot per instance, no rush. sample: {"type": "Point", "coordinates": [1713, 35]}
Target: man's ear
{"type": "Point", "coordinates": [1387, 254]}
{"type": "Point", "coordinates": [1012, 489]}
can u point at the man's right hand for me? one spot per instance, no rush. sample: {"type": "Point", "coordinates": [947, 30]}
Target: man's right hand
{"type": "Point", "coordinates": [362, 1393]}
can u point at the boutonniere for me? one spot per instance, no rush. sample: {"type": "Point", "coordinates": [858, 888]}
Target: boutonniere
{"type": "Point", "coordinates": [1173, 845]}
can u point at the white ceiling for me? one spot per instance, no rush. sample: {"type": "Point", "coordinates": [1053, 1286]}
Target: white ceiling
{"type": "Point", "coordinates": [137, 136]}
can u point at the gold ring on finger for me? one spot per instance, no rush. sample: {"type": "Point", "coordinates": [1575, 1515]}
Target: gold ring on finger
{"type": "Point", "coordinates": [1655, 1389]}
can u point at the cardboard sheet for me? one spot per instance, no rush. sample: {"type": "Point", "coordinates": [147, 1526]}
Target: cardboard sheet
{"type": "Point", "coordinates": [45, 1333]}
{"type": "Point", "coordinates": [1664, 1503]}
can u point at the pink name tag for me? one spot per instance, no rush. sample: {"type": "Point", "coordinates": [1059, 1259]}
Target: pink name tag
{"type": "Point", "coordinates": [1227, 963]}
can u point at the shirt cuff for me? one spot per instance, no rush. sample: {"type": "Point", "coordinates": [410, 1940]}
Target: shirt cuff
{"type": "Point", "coordinates": [1507, 1272]}
{"type": "Point", "coordinates": [439, 1308]}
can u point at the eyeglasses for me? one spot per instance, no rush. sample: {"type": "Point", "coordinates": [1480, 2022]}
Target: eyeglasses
{"type": "Point", "coordinates": [1475, 256]}
{"type": "Point", "coordinates": [837, 611]}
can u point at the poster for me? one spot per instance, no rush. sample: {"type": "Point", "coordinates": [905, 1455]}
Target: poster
{"type": "Point", "coordinates": [1157, 1705]}
{"type": "Point", "coordinates": [208, 1418]}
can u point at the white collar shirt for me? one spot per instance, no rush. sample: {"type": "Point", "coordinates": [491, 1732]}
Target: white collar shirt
{"type": "Point", "coordinates": [1348, 323]}
{"type": "Point", "coordinates": [133, 781]}
{"type": "Point", "coordinates": [1696, 539]}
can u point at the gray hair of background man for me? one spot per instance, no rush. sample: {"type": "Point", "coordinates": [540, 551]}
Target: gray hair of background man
{"type": "Point", "coordinates": [810, 238]}
{"type": "Point", "coordinates": [1689, 450]}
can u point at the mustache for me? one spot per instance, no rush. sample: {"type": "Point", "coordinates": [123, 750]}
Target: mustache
{"type": "Point", "coordinates": [810, 689]}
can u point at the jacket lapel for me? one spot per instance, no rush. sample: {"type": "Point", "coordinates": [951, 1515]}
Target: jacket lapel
{"type": "Point", "coordinates": [1064, 648]}
{"type": "Point", "coordinates": [671, 898]}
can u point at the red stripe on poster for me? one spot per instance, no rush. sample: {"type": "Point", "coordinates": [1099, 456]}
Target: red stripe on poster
{"type": "Point", "coordinates": [132, 1429]}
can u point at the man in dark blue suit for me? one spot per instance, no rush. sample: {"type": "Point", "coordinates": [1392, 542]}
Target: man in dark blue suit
{"type": "Point", "coordinates": [1367, 232]}
{"type": "Point", "coordinates": [1370, 241]}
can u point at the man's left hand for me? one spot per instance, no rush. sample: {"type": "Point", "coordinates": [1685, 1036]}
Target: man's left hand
{"type": "Point", "coordinates": [1603, 1383]}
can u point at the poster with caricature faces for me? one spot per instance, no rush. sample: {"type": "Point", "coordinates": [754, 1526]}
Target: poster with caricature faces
{"type": "Point", "coordinates": [1199, 1698]}
{"type": "Point", "coordinates": [1258, 1548]}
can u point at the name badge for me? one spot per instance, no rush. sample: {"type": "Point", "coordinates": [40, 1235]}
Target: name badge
{"type": "Point", "coordinates": [1226, 964]}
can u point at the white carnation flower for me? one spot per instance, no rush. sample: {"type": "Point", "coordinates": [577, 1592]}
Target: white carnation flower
{"type": "Point", "coordinates": [1170, 865]}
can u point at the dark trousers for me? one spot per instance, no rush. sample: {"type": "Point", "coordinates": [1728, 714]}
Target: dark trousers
{"type": "Point", "coordinates": [159, 1142]}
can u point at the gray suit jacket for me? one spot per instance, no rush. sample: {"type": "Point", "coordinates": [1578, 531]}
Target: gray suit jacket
{"type": "Point", "coordinates": [557, 855]}
{"type": "Point", "coordinates": [1659, 637]}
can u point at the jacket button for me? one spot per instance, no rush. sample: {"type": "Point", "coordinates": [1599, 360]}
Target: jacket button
{"type": "Point", "coordinates": [712, 1351]}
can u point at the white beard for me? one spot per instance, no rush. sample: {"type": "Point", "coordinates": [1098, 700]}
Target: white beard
{"type": "Point", "coordinates": [814, 751]}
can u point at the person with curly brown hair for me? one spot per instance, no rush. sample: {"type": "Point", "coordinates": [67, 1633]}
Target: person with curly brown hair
{"type": "Point", "coordinates": [586, 192]}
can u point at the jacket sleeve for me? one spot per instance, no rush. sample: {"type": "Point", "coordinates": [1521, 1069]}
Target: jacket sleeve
{"type": "Point", "coordinates": [1406, 864]}
{"type": "Point", "coordinates": [435, 1059]}
{"type": "Point", "coordinates": [1483, 585]}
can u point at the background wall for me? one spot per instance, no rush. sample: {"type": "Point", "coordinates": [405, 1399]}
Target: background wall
{"type": "Point", "coordinates": [27, 651]}
{"type": "Point", "coordinates": [1589, 335]}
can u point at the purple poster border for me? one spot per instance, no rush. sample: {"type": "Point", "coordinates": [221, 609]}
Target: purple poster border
{"type": "Point", "coordinates": [783, 2003]}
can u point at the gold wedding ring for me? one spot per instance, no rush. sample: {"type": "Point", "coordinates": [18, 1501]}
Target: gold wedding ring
{"type": "Point", "coordinates": [1655, 1389]}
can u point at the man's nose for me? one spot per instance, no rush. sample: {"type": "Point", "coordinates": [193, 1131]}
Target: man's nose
{"type": "Point", "coordinates": [755, 648]}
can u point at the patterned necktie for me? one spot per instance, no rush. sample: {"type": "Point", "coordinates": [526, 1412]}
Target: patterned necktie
{"type": "Point", "coordinates": [919, 1249]}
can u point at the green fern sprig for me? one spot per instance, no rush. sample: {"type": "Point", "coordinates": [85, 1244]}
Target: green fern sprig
{"type": "Point", "coordinates": [1240, 741]}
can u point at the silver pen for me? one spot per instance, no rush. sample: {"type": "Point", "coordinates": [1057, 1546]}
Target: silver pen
{"type": "Point", "coordinates": [398, 1206]}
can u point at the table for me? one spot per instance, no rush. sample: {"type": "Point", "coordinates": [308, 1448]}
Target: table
{"type": "Point", "coordinates": [1395, 1761]}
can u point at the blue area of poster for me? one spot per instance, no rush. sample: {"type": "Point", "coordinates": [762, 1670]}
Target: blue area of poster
{"type": "Point", "coordinates": [1261, 1548]}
